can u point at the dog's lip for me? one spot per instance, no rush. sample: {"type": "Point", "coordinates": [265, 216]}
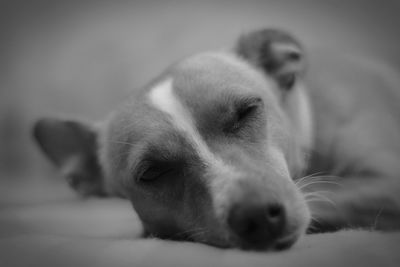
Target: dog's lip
{"type": "Point", "coordinates": [281, 244]}
{"type": "Point", "coordinates": [286, 242]}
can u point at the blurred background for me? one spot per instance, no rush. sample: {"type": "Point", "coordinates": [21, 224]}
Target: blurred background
{"type": "Point", "coordinates": [81, 58]}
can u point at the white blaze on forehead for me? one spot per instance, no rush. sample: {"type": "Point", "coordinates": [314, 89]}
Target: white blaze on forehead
{"type": "Point", "coordinates": [163, 98]}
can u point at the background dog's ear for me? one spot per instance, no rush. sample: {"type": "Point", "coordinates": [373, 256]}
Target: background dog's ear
{"type": "Point", "coordinates": [274, 51]}
{"type": "Point", "coordinates": [72, 147]}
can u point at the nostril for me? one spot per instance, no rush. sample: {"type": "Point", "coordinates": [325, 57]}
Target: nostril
{"type": "Point", "coordinates": [276, 219]}
{"type": "Point", "coordinates": [275, 211]}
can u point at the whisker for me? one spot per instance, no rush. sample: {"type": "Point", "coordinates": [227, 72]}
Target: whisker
{"type": "Point", "coordinates": [376, 219]}
{"type": "Point", "coordinates": [303, 182]}
{"type": "Point", "coordinates": [318, 182]}
{"type": "Point", "coordinates": [298, 181]}
{"type": "Point", "coordinates": [197, 234]}
{"type": "Point", "coordinates": [318, 196]}
{"type": "Point", "coordinates": [189, 232]}
{"type": "Point", "coordinates": [313, 218]}
{"type": "Point", "coordinates": [317, 193]}
{"type": "Point", "coordinates": [320, 177]}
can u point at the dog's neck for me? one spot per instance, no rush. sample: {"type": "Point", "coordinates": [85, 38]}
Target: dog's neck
{"type": "Point", "coordinates": [299, 111]}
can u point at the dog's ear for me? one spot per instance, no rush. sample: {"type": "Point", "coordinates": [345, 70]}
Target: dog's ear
{"type": "Point", "coordinates": [276, 52]}
{"type": "Point", "coordinates": [72, 147]}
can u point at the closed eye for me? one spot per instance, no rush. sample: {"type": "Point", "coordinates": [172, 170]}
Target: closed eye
{"type": "Point", "coordinates": [154, 170]}
{"type": "Point", "coordinates": [245, 111]}
{"type": "Point", "coordinates": [153, 173]}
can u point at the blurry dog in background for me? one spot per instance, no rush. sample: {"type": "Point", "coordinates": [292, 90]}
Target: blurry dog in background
{"type": "Point", "coordinates": [235, 148]}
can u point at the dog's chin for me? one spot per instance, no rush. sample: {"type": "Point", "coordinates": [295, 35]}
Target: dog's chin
{"type": "Point", "coordinates": [269, 245]}
{"type": "Point", "coordinates": [286, 242]}
{"type": "Point", "coordinates": [282, 243]}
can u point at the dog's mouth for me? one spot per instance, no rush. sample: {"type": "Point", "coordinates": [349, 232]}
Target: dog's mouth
{"type": "Point", "coordinates": [283, 243]}
{"type": "Point", "coordinates": [277, 243]}
{"type": "Point", "coordinates": [286, 242]}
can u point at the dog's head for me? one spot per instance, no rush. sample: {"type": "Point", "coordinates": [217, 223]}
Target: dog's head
{"type": "Point", "coordinates": [207, 151]}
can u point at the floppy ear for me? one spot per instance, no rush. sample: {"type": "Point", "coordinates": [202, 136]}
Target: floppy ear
{"type": "Point", "coordinates": [72, 147]}
{"type": "Point", "coordinates": [276, 52]}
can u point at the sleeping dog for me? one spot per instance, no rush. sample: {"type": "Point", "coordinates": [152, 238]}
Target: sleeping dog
{"type": "Point", "coordinates": [237, 148]}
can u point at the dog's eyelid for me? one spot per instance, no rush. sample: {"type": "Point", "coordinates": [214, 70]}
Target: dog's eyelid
{"type": "Point", "coordinates": [150, 169]}
{"type": "Point", "coordinates": [248, 100]}
{"type": "Point", "coordinates": [142, 164]}
{"type": "Point", "coordinates": [146, 171]}
{"type": "Point", "coordinates": [245, 109]}
{"type": "Point", "coordinates": [138, 170]}
{"type": "Point", "coordinates": [152, 173]}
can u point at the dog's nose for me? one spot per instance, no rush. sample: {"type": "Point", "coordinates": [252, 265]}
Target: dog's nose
{"type": "Point", "coordinates": [257, 224]}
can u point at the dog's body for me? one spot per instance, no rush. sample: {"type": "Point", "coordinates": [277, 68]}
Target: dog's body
{"type": "Point", "coordinates": [208, 151]}
{"type": "Point", "coordinates": [357, 133]}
